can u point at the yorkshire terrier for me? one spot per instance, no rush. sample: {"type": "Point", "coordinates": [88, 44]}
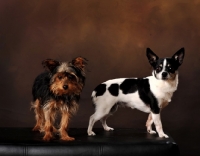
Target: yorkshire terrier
{"type": "Point", "coordinates": [57, 90]}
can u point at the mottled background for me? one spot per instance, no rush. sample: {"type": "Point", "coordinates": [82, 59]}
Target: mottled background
{"type": "Point", "coordinates": [113, 35]}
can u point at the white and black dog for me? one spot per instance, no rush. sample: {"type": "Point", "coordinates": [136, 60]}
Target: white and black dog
{"type": "Point", "coordinates": [150, 94]}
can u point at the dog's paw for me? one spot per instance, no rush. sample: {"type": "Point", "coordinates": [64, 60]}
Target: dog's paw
{"type": "Point", "coordinates": [151, 131]}
{"type": "Point", "coordinates": [36, 128]}
{"type": "Point", "coordinates": [67, 138]}
{"type": "Point", "coordinates": [47, 137]}
{"type": "Point", "coordinates": [91, 133]}
{"type": "Point", "coordinates": [109, 129]}
{"type": "Point", "coordinates": [163, 135]}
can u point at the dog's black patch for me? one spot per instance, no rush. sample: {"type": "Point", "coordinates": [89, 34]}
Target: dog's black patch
{"type": "Point", "coordinates": [40, 89]}
{"type": "Point", "coordinates": [172, 66]}
{"type": "Point", "coordinates": [158, 66]}
{"type": "Point", "coordinates": [128, 86]}
{"type": "Point", "coordinates": [100, 89]}
{"type": "Point", "coordinates": [114, 89]}
{"type": "Point", "coordinates": [146, 95]}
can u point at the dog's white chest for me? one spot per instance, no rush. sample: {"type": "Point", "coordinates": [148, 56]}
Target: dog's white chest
{"type": "Point", "coordinates": [163, 90]}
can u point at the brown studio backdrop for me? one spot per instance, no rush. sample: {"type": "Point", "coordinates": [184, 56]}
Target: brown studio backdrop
{"type": "Point", "coordinates": [113, 35]}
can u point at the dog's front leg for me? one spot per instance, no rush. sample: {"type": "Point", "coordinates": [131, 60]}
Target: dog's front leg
{"type": "Point", "coordinates": [158, 125]}
{"type": "Point", "coordinates": [47, 126]}
{"type": "Point", "coordinates": [63, 126]}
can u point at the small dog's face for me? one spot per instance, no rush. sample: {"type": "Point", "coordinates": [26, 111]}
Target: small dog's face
{"type": "Point", "coordinates": [65, 83]}
{"type": "Point", "coordinates": [165, 69]}
{"type": "Point", "coordinates": [67, 78]}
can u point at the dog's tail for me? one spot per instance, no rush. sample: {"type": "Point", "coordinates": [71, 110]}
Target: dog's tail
{"type": "Point", "coordinates": [93, 94]}
{"type": "Point", "coordinates": [93, 97]}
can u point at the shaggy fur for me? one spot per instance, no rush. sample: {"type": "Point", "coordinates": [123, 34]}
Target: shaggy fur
{"type": "Point", "coordinates": [57, 90]}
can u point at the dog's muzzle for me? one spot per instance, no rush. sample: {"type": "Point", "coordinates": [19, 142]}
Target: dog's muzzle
{"type": "Point", "coordinates": [164, 75]}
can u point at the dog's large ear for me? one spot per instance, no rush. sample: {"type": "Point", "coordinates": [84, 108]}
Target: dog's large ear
{"type": "Point", "coordinates": [152, 57]}
{"type": "Point", "coordinates": [179, 56]}
{"type": "Point", "coordinates": [50, 64]}
{"type": "Point", "coordinates": [79, 62]}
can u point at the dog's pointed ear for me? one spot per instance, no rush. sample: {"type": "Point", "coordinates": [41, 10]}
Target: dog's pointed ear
{"type": "Point", "coordinates": [179, 56]}
{"type": "Point", "coordinates": [50, 64]}
{"type": "Point", "coordinates": [152, 57]}
{"type": "Point", "coordinates": [79, 62]}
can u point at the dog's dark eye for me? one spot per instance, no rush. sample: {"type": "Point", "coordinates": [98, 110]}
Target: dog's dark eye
{"type": "Point", "coordinates": [172, 70]}
{"type": "Point", "coordinates": [60, 77]}
{"type": "Point", "coordinates": [71, 77]}
{"type": "Point", "coordinates": [158, 69]}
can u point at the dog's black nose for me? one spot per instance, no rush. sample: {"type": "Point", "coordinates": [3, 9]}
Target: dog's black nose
{"type": "Point", "coordinates": [65, 87]}
{"type": "Point", "coordinates": [164, 74]}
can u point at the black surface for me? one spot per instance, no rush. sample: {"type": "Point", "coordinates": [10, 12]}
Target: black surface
{"type": "Point", "coordinates": [22, 141]}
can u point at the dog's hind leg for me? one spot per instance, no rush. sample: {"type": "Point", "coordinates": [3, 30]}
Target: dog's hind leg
{"type": "Point", "coordinates": [91, 124]}
{"type": "Point", "coordinates": [98, 115]}
{"type": "Point", "coordinates": [149, 124]}
{"type": "Point", "coordinates": [103, 120]}
{"type": "Point", "coordinates": [53, 118]}
{"type": "Point", "coordinates": [39, 115]}
{"type": "Point", "coordinates": [105, 126]}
